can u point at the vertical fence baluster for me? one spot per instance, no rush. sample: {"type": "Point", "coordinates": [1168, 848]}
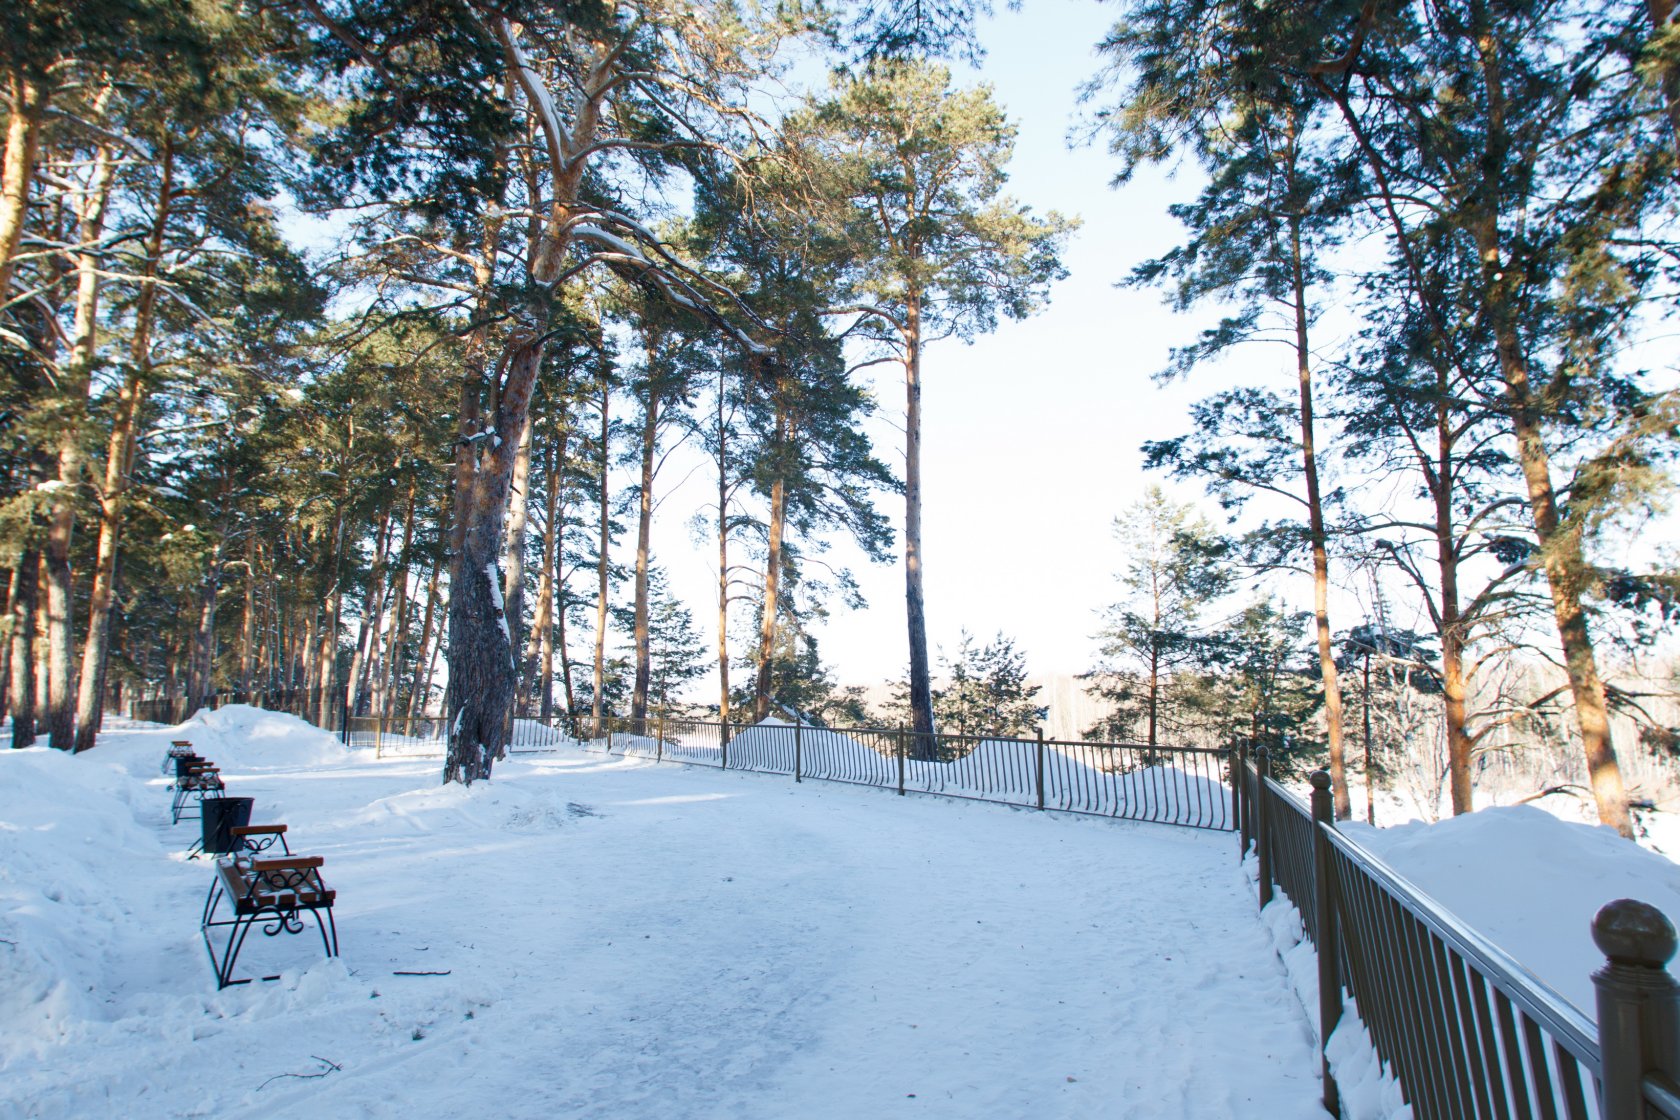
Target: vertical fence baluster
{"type": "Point", "coordinates": [1038, 767]}
{"type": "Point", "coordinates": [901, 760]}
{"type": "Point", "coordinates": [1329, 974]}
{"type": "Point", "coordinates": [798, 750]}
{"type": "Point", "coordinates": [1262, 846]}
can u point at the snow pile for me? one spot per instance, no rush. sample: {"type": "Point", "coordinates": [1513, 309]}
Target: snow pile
{"type": "Point", "coordinates": [1528, 882]}
{"type": "Point", "coordinates": [594, 936]}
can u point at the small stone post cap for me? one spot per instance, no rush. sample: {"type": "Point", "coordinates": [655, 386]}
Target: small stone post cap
{"type": "Point", "coordinates": [1632, 932]}
{"type": "Point", "coordinates": [1320, 779]}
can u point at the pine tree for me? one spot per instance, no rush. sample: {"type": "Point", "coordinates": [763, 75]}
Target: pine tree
{"type": "Point", "coordinates": [1175, 568]}
{"type": "Point", "coordinates": [911, 172]}
{"type": "Point", "coordinates": [985, 691]}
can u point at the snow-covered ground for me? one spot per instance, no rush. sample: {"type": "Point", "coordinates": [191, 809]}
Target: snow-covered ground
{"type": "Point", "coordinates": [625, 940]}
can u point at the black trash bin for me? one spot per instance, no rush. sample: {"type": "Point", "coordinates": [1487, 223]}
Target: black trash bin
{"type": "Point", "coordinates": [222, 814]}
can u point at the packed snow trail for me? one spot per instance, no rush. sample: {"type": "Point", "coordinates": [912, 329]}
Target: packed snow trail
{"type": "Point", "coordinates": [631, 940]}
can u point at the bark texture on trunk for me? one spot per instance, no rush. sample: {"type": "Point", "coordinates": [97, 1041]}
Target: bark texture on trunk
{"type": "Point", "coordinates": [915, 600]}
{"type": "Point", "coordinates": [644, 531]}
{"type": "Point", "coordinates": [519, 516]}
{"type": "Point", "coordinates": [119, 466]}
{"type": "Point", "coordinates": [1317, 537]}
{"type": "Point", "coordinates": [25, 589]}
{"type": "Point", "coordinates": [603, 563]}
{"type": "Point", "coordinates": [26, 105]}
{"type": "Point", "coordinates": [1562, 556]}
{"type": "Point", "coordinates": [723, 557]}
{"type": "Point", "coordinates": [772, 591]}
{"type": "Point", "coordinates": [482, 676]}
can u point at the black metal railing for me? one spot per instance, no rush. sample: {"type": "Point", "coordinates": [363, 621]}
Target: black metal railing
{"type": "Point", "coordinates": [428, 736]}
{"type": "Point", "coordinates": [1465, 1029]}
{"type": "Point", "coordinates": [1169, 785]}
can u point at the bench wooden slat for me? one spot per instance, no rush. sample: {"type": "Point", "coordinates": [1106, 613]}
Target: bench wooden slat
{"type": "Point", "coordinates": [256, 829]}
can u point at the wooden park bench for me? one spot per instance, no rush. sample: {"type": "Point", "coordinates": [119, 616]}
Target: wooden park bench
{"type": "Point", "coordinates": [261, 837]}
{"type": "Point", "coordinates": [273, 892]}
{"type": "Point", "coordinates": [200, 779]}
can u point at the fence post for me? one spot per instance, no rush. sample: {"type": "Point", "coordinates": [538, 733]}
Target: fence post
{"type": "Point", "coordinates": [1262, 849]}
{"type": "Point", "coordinates": [659, 738]}
{"type": "Point", "coordinates": [1638, 1005]}
{"type": "Point", "coordinates": [608, 722]}
{"type": "Point", "coordinates": [797, 749]}
{"type": "Point", "coordinates": [1038, 773]}
{"type": "Point", "coordinates": [724, 765]}
{"type": "Point", "coordinates": [901, 760]}
{"type": "Point", "coordinates": [1235, 761]}
{"type": "Point", "coordinates": [1329, 961]}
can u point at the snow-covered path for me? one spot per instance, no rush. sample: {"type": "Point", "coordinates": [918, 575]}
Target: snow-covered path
{"type": "Point", "coordinates": [631, 940]}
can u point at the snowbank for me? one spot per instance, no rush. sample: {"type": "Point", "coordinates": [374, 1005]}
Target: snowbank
{"type": "Point", "coordinates": [1529, 882]}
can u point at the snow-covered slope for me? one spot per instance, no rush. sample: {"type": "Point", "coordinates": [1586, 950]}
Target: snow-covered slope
{"type": "Point", "coordinates": [602, 937]}
{"type": "Point", "coordinates": [1529, 882]}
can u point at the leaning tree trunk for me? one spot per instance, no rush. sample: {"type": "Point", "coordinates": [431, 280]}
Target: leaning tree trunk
{"type": "Point", "coordinates": [915, 599]}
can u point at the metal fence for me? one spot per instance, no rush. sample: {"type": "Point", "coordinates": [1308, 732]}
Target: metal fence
{"type": "Point", "coordinates": [428, 736]}
{"type": "Point", "coordinates": [1169, 785]}
{"type": "Point", "coordinates": [1464, 1028]}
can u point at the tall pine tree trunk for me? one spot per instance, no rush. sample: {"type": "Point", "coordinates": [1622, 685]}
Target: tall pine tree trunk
{"type": "Point", "coordinates": [479, 699]}
{"type": "Point", "coordinates": [421, 684]}
{"type": "Point", "coordinates": [772, 591]}
{"type": "Point", "coordinates": [26, 581]}
{"type": "Point", "coordinates": [519, 516]}
{"type": "Point", "coordinates": [1564, 562]}
{"type": "Point", "coordinates": [915, 599]}
{"type": "Point", "coordinates": [373, 613]}
{"type": "Point", "coordinates": [603, 564]}
{"type": "Point", "coordinates": [542, 624]}
{"type": "Point", "coordinates": [644, 530]}
{"type": "Point", "coordinates": [777, 527]}
{"type": "Point", "coordinates": [1454, 687]}
{"type": "Point", "coordinates": [119, 465]}
{"type": "Point", "coordinates": [723, 557]}
{"type": "Point", "coordinates": [6, 643]}
{"type": "Point", "coordinates": [70, 419]}
{"type": "Point", "coordinates": [1316, 535]}
{"type": "Point", "coordinates": [26, 105]}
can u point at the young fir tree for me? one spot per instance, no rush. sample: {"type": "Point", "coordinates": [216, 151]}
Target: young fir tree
{"type": "Point", "coordinates": [985, 691]}
{"type": "Point", "coordinates": [1175, 569]}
